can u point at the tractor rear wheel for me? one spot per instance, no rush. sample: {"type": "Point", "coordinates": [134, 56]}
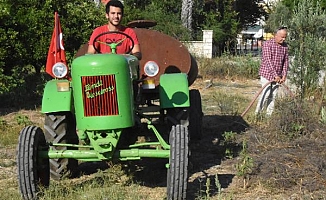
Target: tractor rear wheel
{"type": "Point", "coordinates": [33, 172]}
{"type": "Point", "coordinates": [177, 178]}
{"type": "Point", "coordinates": [195, 115]}
{"type": "Point", "coordinates": [60, 128]}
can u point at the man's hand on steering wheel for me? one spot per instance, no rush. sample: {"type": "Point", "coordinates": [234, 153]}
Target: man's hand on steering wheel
{"type": "Point", "coordinates": [113, 45]}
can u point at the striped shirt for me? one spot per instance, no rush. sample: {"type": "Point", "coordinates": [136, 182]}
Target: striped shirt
{"type": "Point", "coordinates": [275, 60]}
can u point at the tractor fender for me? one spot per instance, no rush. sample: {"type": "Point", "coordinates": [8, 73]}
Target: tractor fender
{"type": "Point", "coordinates": [56, 98]}
{"type": "Point", "coordinates": [174, 90]}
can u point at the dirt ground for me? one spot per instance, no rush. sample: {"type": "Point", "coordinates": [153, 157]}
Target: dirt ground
{"type": "Point", "coordinates": [284, 166]}
{"type": "Point", "coordinates": [281, 169]}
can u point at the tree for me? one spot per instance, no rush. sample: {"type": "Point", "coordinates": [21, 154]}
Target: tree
{"type": "Point", "coordinates": [186, 13]}
{"type": "Point", "coordinates": [8, 35]}
{"type": "Point", "coordinates": [249, 12]}
{"type": "Point", "coordinates": [165, 13]}
{"type": "Point", "coordinates": [225, 17]}
{"type": "Point", "coordinates": [307, 39]}
{"type": "Point", "coordinates": [283, 11]}
{"type": "Point", "coordinates": [280, 16]}
{"type": "Point", "coordinates": [292, 4]}
{"type": "Point", "coordinates": [27, 28]}
{"type": "Point", "coordinates": [219, 16]}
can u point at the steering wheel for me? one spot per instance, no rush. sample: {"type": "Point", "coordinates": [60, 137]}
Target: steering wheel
{"type": "Point", "coordinates": [113, 45]}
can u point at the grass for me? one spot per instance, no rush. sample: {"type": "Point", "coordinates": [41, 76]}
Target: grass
{"type": "Point", "coordinates": [231, 101]}
{"type": "Point", "coordinates": [11, 124]}
{"type": "Point", "coordinates": [244, 67]}
{"type": "Point", "coordinates": [112, 183]}
{"type": "Point", "coordinates": [89, 191]}
{"type": "Point", "coordinates": [9, 135]}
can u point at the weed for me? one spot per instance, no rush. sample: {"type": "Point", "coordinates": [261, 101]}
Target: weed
{"type": "Point", "coordinates": [293, 119]}
{"type": "Point", "coordinates": [9, 130]}
{"type": "Point", "coordinates": [209, 188]}
{"type": "Point", "coordinates": [8, 135]}
{"type": "Point", "coordinates": [244, 167]}
{"type": "Point", "coordinates": [110, 184]}
{"type": "Point", "coordinates": [3, 123]}
{"type": "Point", "coordinates": [218, 186]}
{"type": "Point", "coordinates": [230, 67]}
{"type": "Point", "coordinates": [229, 143]}
{"type": "Point", "coordinates": [229, 103]}
{"type": "Point", "coordinates": [208, 184]}
{"type": "Point", "coordinates": [23, 120]}
{"type": "Point", "coordinates": [229, 136]}
{"type": "Point", "coordinates": [7, 163]}
{"type": "Point", "coordinates": [200, 180]}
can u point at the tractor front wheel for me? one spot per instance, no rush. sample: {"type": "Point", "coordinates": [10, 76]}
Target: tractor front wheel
{"type": "Point", "coordinates": [177, 179]}
{"type": "Point", "coordinates": [33, 171]}
{"type": "Point", "coordinates": [60, 128]}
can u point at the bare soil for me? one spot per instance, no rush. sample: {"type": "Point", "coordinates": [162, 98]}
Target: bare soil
{"type": "Point", "coordinates": [282, 169]}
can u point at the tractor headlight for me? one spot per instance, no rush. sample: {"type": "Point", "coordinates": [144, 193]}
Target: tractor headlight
{"type": "Point", "coordinates": [59, 70]}
{"type": "Point", "coordinates": [151, 68]}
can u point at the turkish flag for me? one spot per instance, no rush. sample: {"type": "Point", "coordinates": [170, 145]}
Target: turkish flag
{"type": "Point", "coordinates": [56, 51]}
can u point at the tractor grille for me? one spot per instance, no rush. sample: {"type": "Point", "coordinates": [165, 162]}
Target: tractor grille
{"type": "Point", "coordinates": [99, 95]}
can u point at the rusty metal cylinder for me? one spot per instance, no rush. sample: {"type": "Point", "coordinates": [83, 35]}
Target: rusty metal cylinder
{"type": "Point", "coordinates": [170, 54]}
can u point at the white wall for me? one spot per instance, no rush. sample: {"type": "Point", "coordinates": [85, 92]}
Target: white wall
{"type": "Point", "coordinates": [202, 48]}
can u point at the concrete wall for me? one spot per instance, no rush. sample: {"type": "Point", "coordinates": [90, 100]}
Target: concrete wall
{"type": "Point", "coordinates": [202, 48]}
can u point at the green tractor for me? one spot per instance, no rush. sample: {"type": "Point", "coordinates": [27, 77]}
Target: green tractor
{"type": "Point", "coordinates": [95, 114]}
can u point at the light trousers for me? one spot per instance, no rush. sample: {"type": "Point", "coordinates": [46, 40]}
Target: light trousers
{"type": "Point", "coordinates": [267, 97]}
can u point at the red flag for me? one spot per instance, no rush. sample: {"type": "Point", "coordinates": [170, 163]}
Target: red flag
{"type": "Point", "coordinates": [56, 51]}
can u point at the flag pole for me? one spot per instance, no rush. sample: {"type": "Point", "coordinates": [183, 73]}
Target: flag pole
{"type": "Point", "coordinates": [56, 28]}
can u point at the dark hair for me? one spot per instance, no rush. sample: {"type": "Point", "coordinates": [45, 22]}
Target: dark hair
{"type": "Point", "coordinates": [114, 3]}
{"type": "Point", "coordinates": [281, 28]}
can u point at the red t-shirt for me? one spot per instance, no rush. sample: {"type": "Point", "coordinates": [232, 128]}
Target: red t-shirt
{"type": "Point", "coordinates": [122, 48]}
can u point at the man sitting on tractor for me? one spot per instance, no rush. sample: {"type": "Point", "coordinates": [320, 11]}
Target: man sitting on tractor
{"type": "Point", "coordinates": [114, 13]}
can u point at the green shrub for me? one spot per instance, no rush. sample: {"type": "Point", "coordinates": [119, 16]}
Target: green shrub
{"type": "Point", "coordinates": [229, 67]}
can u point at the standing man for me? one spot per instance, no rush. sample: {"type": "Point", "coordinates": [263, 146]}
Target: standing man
{"type": "Point", "coordinates": [114, 13]}
{"type": "Point", "coordinates": [273, 69]}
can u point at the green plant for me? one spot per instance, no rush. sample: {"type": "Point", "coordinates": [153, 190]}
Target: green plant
{"type": "Point", "coordinates": [229, 136]}
{"type": "Point", "coordinates": [208, 184]}
{"type": "Point", "coordinates": [229, 143]}
{"type": "Point", "coordinates": [245, 165]}
{"type": "Point", "coordinates": [298, 127]}
{"type": "Point", "coordinates": [23, 120]}
{"type": "Point", "coordinates": [218, 186]}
